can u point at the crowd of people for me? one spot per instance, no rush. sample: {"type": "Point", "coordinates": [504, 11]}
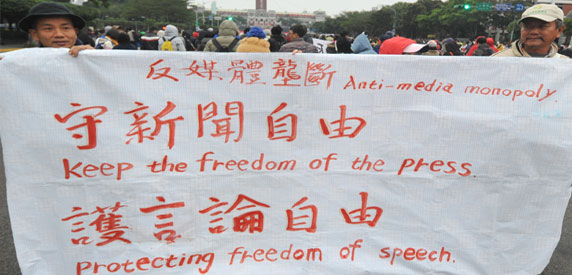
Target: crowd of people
{"type": "Point", "coordinates": [254, 39]}
{"type": "Point", "coordinates": [541, 25]}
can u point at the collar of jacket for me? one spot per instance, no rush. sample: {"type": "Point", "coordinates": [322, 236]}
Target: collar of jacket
{"type": "Point", "coordinates": [518, 49]}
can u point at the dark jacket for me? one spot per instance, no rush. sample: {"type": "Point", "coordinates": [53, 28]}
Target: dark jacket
{"type": "Point", "coordinates": [85, 38]}
{"type": "Point", "coordinates": [299, 44]}
{"type": "Point", "coordinates": [483, 50]}
{"type": "Point", "coordinates": [276, 41]}
{"type": "Point", "coordinates": [125, 46]}
{"type": "Point", "coordinates": [452, 48]}
{"type": "Point", "coordinates": [204, 42]}
{"type": "Point", "coordinates": [344, 45]}
{"type": "Point", "coordinates": [150, 41]}
{"type": "Point", "coordinates": [190, 41]}
{"type": "Point", "coordinates": [566, 52]}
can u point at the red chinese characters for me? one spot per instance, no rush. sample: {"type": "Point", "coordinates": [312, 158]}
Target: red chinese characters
{"type": "Point", "coordinates": [139, 128]}
{"type": "Point", "coordinates": [227, 125]}
{"type": "Point", "coordinates": [362, 216]}
{"type": "Point", "coordinates": [253, 221]}
{"type": "Point", "coordinates": [107, 223]}
{"type": "Point", "coordinates": [305, 222]}
{"type": "Point", "coordinates": [89, 123]}
{"type": "Point", "coordinates": [316, 72]}
{"type": "Point", "coordinates": [205, 70]}
{"type": "Point", "coordinates": [247, 216]}
{"type": "Point", "coordinates": [160, 73]}
{"type": "Point", "coordinates": [342, 130]}
{"type": "Point", "coordinates": [223, 126]}
{"type": "Point", "coordinates": [286, 72]}
{"type": "Point", "coordinates": [166, 234]}
{"type": "Point", "coordinates": [249, 72]}
{"type": "Point", "coordinates": [284, 127]}
{"type": "Point", "coordinates": [252, 68]}
{"type": "Point", "coordinates": [81, 240]}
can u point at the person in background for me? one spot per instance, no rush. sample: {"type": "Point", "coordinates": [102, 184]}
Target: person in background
{"type": "Point", "coordinates": [491, 43]}
{"type": "Point", "coordinates": [134, 37]}
{"type": "Point", "coordinates": [124, 43]}
{"type": "Point", "coordinates": [276, 40]}
{"type": "Point", "coordinates": [85, 38]}
{"type": "Point", "coordinates": [92, 34]}
{"type": "Point", "coordinates": [401, 45]}
{"type": "Point", "coordinates": [452, 48]}
{"type": "Point", "coordinates": [483, 49]}
{"type": "Point", "coordinates": [343, 44]}
{"type": "Point", "coordinates": [382, 38]}
{"type": "Point", "coordinates": [331, 48]}
{"type": "Point", "coordinates": [567, 51]}
{"type": "Point", "coordinates": [361, 45]}
{"type": "Point", "coordinates": [190, 40]}
{"type": "Point", "coordinates": [244, 32]}
{"type": "Point", "coordinates": [474, 47]}
{"type": "Point", "coordinates": [205, 37]}
{"type": "Point", "coordinates": [297, 43]}
{"type": "Point", "coordinates": [228, 30]}
{"type": "Point", "coordinates": [172, 34]}
{"type": "Point", "coordinates": [108, 41]}
{"type": "Point", "coordinates": [432, 48]}
{"type": "Point", "coordinates": [150, 41]}
{"type": "Point", "coordinates": [98, 41]}
{"type": "Point", "coordinates": [254, 42]}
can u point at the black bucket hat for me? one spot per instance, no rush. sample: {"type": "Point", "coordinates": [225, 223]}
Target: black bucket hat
{"type": "Point", "coordinates": [47, 9]}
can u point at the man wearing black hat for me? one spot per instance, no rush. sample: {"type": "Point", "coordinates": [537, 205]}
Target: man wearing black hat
{"type": "Point", "coordinates": [54, 25]}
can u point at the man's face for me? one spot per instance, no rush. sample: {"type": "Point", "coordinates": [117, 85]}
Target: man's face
{"type": "Point", "coordinates": [538, 35]}
{"type": "Point", "coordinates": [293, 35]}
{"type": "Point", "coordinates": [55, 32]}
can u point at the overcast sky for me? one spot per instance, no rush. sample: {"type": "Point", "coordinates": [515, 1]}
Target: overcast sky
{"type": "Point", "coordinates": [331, 7]}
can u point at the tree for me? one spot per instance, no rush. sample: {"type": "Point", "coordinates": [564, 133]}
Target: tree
{"type": "Point", "coordinates": [382, 20]}
{"type": "Point", "coordinates": [12, 11]}
{"type": "Point", "coordinates": [355, 22]}
{"type": "Point", "coordinates": [410, 27]}
{"type": "Point", "coordinates": [330, 25]}
{"type": "Point", "coordinates": [173, 11]}
{"type": "Point", "coordinates": [87, 13]}
{"type": "Point", "coordinates": [99, 3]}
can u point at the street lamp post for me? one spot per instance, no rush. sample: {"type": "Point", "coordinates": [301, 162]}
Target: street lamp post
{"type": "Point", "coordinates": [394, 19]}
{"type": "Point", "coordinates": [196, 8]}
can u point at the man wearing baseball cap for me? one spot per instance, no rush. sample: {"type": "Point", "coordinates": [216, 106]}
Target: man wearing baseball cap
{"type": "Point", "coordinates": [540, 25]}
{"type": "Point", "coordinates": [53, 25]}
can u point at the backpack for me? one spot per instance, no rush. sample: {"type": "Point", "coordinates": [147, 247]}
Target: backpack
{"type": "Point", "coordinates": [189, 45]}
{"type": "Point", "coordinates": [221, 48]}
{"type": "Point", "coordinates": [167, 45]}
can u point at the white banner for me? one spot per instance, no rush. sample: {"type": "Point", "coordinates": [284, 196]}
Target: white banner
{"type": "Point", "coordinates": [185, 163]}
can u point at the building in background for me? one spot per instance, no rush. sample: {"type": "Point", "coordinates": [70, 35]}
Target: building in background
{"type": "Point", "coordinates": [266, 19]}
